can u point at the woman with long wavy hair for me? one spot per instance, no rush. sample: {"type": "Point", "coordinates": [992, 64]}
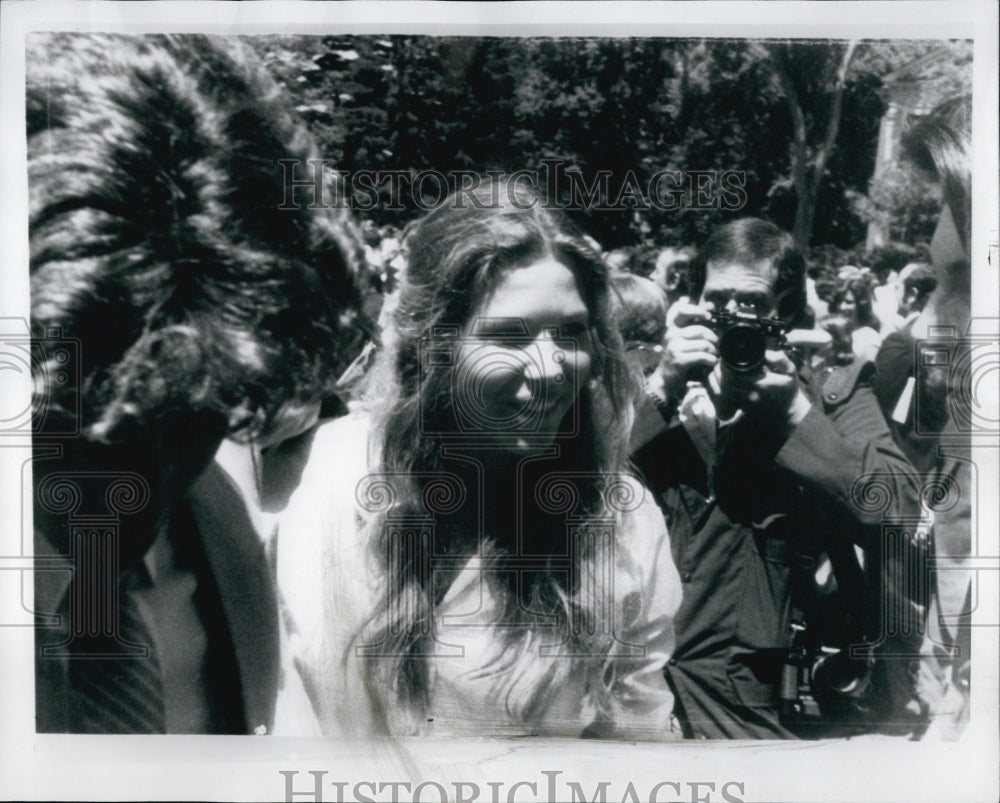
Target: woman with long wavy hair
{"type": "Point", "coordinates": [466, 553]}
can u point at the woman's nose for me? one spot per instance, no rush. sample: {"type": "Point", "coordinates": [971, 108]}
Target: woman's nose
{"type": "Point", "coordinates": [547, 362]}
{"type": "Point", "coordinates": [543, 366]}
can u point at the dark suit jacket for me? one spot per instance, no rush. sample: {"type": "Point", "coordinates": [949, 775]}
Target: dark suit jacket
{"type": "Point", "coordinates": [735, 536]}
{"type": "Point", "coordinates": [237, 603]}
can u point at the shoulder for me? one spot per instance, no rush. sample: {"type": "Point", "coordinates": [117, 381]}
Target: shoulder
{"type": "Point", "coordinates": [632, 502]}
{"type": "Point", "coordinates": [319, 530]}
{"type": "Point", "coordinates": [338, 459]}
{"type": "Point", "coordinates": [645, 543]}
{"type": "Point", "coordinates": [842, 382]}
{"type": "Point", "coordinates": [896, 349]}
{"type": "Point", "coordinates": [341, 441]}
{"type": "Point", "coordinates": [895, 363]}
{"type": "Point", "coordinates": [901, 338]}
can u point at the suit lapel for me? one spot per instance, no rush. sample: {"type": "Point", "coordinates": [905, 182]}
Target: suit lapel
{"type": "Point", "coordinates": [238, 563]}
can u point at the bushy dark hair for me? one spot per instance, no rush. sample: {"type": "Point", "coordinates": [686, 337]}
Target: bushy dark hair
{"type": "Point", "coordinates": [922, 280]}
{"type": "Point", "coordinates": [859, 286]}
{"type": "Point", "coordinates": [157, 239]}
{"type": "Point", "coordinates": [752, 241]}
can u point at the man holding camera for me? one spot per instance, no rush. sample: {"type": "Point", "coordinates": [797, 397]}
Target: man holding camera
{"type": "Point", "coordinates": [756, 463]}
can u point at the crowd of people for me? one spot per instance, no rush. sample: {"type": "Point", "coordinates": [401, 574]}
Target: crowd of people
{"type": "Point", "coordinates": [521, 491]}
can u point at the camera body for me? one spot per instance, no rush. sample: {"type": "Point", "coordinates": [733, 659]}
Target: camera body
{"type": "Point", "coordinates": [744, 338]}
{"type": "Point", "coordinates": [825, 690]}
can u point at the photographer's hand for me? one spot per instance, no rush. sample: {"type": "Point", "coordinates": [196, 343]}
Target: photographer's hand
{"type": "Point", "coordinates": [687, 346]}
{"type": "Point", "coordinates": [775, 387]}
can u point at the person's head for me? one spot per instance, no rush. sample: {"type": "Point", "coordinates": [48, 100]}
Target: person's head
{"type": "Point", "coordinates": [914, 286]}
{"type": "Point", "coordinates": [852, 295]}
{"type": "Point", "coordinates": [940, 144]}
{"type": "Point", "coordinates": [753, 266]}
{"type": "Point", "coordinates": [502, 338]}
{"type": "Point", "coordinates": [502, 327]}
{"type": "Point", "coordinates": [202, 308]}
{"type": "Point", "coordinates": [640, 308]}
{"type": "Point", "coordinates": [672, 271]}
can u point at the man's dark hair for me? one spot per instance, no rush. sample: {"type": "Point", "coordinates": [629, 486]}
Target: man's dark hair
{"type": "Point", "coordinates": [752, 241]}
{"type": "Point", "coordinates": [922, 280]}
{"type": "Point", "coordinates": [940, 144]}
{"type": "Point", "coordinates": [158, 242]}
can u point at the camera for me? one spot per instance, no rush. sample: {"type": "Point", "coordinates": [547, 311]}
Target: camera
{"type": "Point", "coordinates": [464, 368]}
{"type": "Point", "coordinates": [744, 338]}
{"type": "Point", "coordinates": [826, 689]}
{"type": "Point", "coordinates": [41, 386]}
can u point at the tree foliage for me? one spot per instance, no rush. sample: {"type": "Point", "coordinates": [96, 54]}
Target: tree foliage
{"type": "Point", "coordinates": [798, 120]}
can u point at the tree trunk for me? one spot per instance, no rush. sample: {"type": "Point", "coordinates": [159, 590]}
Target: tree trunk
{"type": "Point", "coordinates": [808, 170]}
{"type": "Point", "coordinates": [805, 212]}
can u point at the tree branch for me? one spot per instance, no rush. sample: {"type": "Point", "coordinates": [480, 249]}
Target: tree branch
{"type": "Point", "coordinates": [833, 124]}
{"type": "Point", "coordinates": [791, 96]}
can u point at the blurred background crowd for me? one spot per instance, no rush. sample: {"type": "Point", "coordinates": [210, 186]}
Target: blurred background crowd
{"type": "Point", "coordinates": [813, 128]}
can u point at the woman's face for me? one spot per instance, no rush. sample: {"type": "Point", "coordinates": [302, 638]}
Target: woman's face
{"type": "Point", "coordinates": [524, 356]}
{"type": "Point", "coordinates": [849, 305]}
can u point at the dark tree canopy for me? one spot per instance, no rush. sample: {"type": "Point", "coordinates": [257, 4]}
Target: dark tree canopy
{"type": "Point", "coordinates": [600, 119]}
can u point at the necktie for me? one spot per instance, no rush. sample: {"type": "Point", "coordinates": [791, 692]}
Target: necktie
{"type": "Point", "coordinates": [115, 674]}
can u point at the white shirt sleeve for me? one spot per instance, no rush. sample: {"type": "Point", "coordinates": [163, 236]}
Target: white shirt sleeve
{"type": "Point", "coordinates": [646, 639]}
{"type": "Point", "coordinates": [323, 576]}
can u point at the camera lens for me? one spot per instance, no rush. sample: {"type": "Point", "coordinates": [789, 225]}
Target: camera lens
{"type": "Point", "coordinates": [839, 673]}
{"type": "Point", "coordinates": [742, 347]}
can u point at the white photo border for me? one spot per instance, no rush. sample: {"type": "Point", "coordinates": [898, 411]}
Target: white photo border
{"type": "Point", "coordinates": [246, 768]}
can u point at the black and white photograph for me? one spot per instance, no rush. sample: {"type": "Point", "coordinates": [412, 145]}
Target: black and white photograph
{"type": "Point", "coordinates": [500, 402]}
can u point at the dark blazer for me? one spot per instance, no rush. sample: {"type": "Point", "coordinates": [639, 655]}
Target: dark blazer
{"type": "Point", "coordinates": [737, 531]}
{"type": "Point", "coordinates": [237, 602]}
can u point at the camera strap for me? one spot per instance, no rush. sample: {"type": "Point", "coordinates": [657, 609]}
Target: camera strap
{"type": "Point", "coordinates": [857, 604]}
{"type": "Point", "coordinates": [802, 587]}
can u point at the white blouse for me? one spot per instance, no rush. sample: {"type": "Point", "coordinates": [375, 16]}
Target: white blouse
{"type": "Point", "coordinates": [326, 577]}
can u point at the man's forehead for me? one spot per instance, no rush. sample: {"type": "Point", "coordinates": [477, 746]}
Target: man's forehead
{"type": "Point", "coordinates": [756, 274]}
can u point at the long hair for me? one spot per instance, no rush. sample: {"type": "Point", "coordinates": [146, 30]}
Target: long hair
{"type": "Point", "coordinates": [158, 241]}
{"type": "Point", "coordinates": [457, 255]}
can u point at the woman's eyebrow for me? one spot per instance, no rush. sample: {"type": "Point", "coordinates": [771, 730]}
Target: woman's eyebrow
{"type": "Point", "coordinates": [495, 326]}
